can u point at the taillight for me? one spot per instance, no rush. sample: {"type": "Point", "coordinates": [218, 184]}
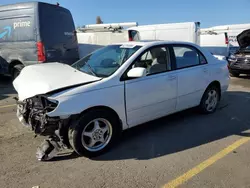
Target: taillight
{"type": "Point", "coordinates": [40, 52]}
{"type": "Point", "coordinates": [226, 39]}
{"type": "Point", "coordinates": [130, 35]}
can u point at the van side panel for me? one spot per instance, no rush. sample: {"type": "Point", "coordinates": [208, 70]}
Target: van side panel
{"type": "Point", "coordinates": [215, 44]}
{"type": "Point", "coordinates": [187, 32]}
{"type": "Point", "coordinates": [17, 35]}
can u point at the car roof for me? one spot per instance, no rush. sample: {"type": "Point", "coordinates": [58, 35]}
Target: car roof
{"type": "Point", "coordinates": [153, 42]}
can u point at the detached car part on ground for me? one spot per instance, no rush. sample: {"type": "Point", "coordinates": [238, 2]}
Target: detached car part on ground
{"type": "Point", "coordinates": [87, 105]}
{"type": "Point", "coordinates": [239, 62]}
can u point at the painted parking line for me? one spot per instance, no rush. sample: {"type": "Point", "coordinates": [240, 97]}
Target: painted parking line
{"type": "Point", "coordinates": [7, 106]}
{"type": "Point", "coordinates": [200, 167]}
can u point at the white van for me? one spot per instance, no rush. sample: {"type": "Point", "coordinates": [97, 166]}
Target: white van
{"type": "Point", "coordinates": [216, 44]}
{"type": "Point", "coordinates": [187, 31]}
{"type": "Point", "coordinates": [95, 36]}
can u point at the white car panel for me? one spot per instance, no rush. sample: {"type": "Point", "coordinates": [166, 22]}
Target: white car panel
{"type": "Point", "coordinates": [191, 82]}
{"type": "Point", "coordinates": [75, 104]}
{"type": "Point", "coordinates": [145, 98]}
{"type": "Point", "coordinates": [150, 97]}
{"type": "Point", "coordinates": [43, 78]}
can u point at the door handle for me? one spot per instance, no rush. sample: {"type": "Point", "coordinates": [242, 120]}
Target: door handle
{"type": "Point", "coordinates": [172, 77]}
{"type": "Point", "coordinates": [205, 70]}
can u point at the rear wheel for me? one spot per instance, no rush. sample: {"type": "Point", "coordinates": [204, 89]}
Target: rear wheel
{"type": "Point", "coordinates": [210, 100]}
{"type": "Point", "coordinates": [16, 70]}
{"type": "Point", "coordinates": [95, 133]}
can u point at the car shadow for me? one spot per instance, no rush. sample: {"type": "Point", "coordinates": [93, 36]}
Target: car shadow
{"type": "Point", "coordinates": [6, 87]}
{"type": "Point", "coordinates": [184, 130]}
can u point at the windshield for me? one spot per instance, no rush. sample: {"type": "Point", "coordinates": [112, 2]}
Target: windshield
{"type": "Point", "coordinates": [105, 61]}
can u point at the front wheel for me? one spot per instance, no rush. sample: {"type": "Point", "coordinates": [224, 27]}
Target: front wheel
{"type": "Point", "coordinates": [210, 100]}
{"type": "Point", "coordinates": [94, 134]}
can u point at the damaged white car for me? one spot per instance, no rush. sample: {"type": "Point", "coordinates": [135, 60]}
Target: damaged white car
{"type": "Point", "coordinates": [87, 105]}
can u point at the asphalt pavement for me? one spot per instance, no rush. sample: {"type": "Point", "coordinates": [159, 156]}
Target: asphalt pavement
{"type": "Point", "coordinates": [186, 149]}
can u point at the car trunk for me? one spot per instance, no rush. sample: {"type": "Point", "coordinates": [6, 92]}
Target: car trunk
{"type": "Point", "coordinates": [244, 40]}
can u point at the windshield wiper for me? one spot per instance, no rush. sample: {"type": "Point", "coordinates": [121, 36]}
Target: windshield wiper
{"type": "Point", "coordinates": [91, 70]}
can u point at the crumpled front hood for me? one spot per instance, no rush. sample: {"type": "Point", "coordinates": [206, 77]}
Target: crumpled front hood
{"type": "Point", "coordinates": [44, 78]}
{"type": "Point", "coordinates": [244, 39]}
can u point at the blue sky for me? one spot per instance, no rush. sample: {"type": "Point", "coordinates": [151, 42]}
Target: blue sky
{"type": "Point", "coordinates": [208, 12]}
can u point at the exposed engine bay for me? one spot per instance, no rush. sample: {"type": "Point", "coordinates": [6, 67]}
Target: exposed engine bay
{"type": "Point", "coordinates": [32, 112]}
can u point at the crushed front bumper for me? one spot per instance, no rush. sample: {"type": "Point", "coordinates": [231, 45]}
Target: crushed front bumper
{"type": "Point", "coordinates": [33, 114]}
{"type": "Point", "coordinates": [20, 115]}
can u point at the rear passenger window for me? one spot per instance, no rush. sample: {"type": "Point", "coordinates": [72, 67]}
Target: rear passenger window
{"type": "Point", "coordinates": [188, 57]}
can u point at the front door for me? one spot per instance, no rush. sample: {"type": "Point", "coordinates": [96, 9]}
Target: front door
{"type": "Point", "coordinates": [154, 95]}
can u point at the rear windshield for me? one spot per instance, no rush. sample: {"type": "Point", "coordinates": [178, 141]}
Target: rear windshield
{"type": "Point", "coordinates": [56, 25]}
{"type": "Point", "coordinates": [105, 61]}
{"type": "Point", "coordinates": [17, 28]}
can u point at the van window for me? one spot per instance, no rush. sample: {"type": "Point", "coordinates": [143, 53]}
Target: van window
{"type": "Point", "coordinates": [133, 34]}
{"type": "Point", "coordinates": [56, 25]}
{"type": "Point", "coordinates": [15, 29]}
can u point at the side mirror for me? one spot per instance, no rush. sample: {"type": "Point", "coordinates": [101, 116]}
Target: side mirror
{"type": "Point", "coordinates": [137, 72]}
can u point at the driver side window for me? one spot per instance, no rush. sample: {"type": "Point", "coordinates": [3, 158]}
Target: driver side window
{"type": "Point", "coordinates": [155, 60]}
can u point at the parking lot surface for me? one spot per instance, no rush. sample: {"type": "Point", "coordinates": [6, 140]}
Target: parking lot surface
{"type": "Point", "coordinates": [185, 150]}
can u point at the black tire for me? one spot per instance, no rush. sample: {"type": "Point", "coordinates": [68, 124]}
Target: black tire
{"type": "Point", "coordinates": [75, 132]}
{"type": "Point", "coordinates": [233, 74]}
{"type": "Point", "coordinates": [16, 70]}
{"type": "Point", "coordinates": [203, 105]}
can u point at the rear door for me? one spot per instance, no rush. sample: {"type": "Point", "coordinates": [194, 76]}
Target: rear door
{"type": "Point", "coordinates": [58, 34]}
{"type": "Point", "coordinates": [193, 75]}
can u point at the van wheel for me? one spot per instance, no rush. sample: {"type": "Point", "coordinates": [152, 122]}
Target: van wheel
{"type": "Point", "coordinates": [210, 100]}
{"type": "Point", "coordinates": [16, 70]}
{"type": "Point", "coordinates": [94, 134]}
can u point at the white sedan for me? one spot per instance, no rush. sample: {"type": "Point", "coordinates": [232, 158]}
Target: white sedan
{"type": "Point", "coordinates": [87, 105]}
